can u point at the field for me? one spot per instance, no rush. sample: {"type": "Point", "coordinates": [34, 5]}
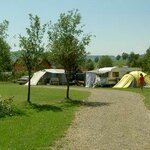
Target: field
{"type": "Point", "coordinates": [40, 124]}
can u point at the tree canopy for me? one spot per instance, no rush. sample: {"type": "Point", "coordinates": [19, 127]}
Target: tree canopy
{"type": "Point", "coordinates": [89, 65]}
{"type": "Point", "coordinates": [5, 59]}
{"type": "Point", "coordinates": [67, 43]}
{"type": "Point", "coordinates": [146, 61]}
{"type": "Point", "coordinates": [32, 46]}
{"type": "Point", "coordinates": [125, 56]}
{"type": "Point", "coordinates": [134, 60]}
{"type": "Point", "coordinates": [105, 61]}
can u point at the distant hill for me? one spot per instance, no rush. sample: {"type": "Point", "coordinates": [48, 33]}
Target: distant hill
{"type": "Point", "coordinates": [16, 54]}
{"type": "Point", "coordinates": [92, 57]}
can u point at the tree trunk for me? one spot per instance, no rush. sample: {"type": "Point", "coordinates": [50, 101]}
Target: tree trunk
{"type": "Point", "coordinates": [67, 92]}
{"type": "Point", "coordinates": [68, 79]}
{"type": "Point", "coordinates": [29, 85]}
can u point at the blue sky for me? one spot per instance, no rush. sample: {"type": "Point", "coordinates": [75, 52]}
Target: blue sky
{"type": "Point", "coordinates": [119, 25]}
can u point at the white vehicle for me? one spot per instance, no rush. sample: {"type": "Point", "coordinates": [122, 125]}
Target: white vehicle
{"type": "Point", "coordinates": [23, 80]}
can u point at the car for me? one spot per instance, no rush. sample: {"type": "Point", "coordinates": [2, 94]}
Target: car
{"type": "Point", "coordinates": [23, 80]}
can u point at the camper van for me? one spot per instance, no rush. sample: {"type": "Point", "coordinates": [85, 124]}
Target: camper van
{"type": "Point", "coordinates": [111, 75]}
{"type": "Point", "coordinates": [107, 76]}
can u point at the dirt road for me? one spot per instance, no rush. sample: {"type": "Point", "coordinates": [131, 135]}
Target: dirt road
{"type": "Point", "coordinates": [111, 120]}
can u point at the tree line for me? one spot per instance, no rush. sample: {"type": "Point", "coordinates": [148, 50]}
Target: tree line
{"type": "Point", "coordinates": [130, 60]}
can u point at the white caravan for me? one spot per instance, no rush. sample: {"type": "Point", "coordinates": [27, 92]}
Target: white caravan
{"type": "Point", "coordinates": [107, 76]}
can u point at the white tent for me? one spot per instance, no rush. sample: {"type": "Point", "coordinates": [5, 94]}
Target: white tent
{"type": "Point", "coordinates": [90, 78]}
{"type": "Point", "coordinates": [47, 75]}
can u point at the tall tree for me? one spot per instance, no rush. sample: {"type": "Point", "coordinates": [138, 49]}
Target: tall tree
{"type": "Point", "coordinates": [105, 61]}
{"type": "Point", "coordinates": [134, 60]}
{"type": "Point", "coordinates": [96, 59]}
{"type": "Point", "coordinates": [118, 57]}
{"type": "Point", "coordinates": [4, 48]}
{"type": "Point", "coordinates": [67, 43]}
{"type": "Point", "coordinates": [125, 56]}
{"type": "Point", "coordinates": [32, 46]}
{"type": "Point", "coordinates": [89, 64]}
{"type": "Point", "coordinates": [3, 29]}
{"type": "Point", "coordinates": [146, 61]}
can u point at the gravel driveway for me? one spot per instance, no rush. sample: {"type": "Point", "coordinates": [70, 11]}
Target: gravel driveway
{"type": "Point", "coordinates": [111, 120]}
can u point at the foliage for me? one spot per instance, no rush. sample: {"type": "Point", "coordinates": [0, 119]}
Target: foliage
{"type": "Point", "coordinates": [4, 49]}
{"type": "Point", "coordinates": [89, 64]}
{"type": "Point", "coordinates": [96, 59]}
{"type": "Point", "coordinates": [4, 56]}
{"type": "Point", "coordinates": [134, 60]}
{"type": "Point", "coordinates": [15, 55]}
{"type": "Point", "coordinates": [105, 61]}
{"type": "Point", "coordinates": [7, 108]}
{"type": "Point", "coordinates": [3, 29]}
{"type": "Point", "coordinates": [120, 63]}
{"type": "Point", "coordinates": [32, 46]}
{"type": "Point", "coordinates": [125, 56]}
{"type": "Point", "coordinates": [146, 61]}
{"type": "Point", "coordinates": [67, 43]}
{"type": "Point", "coordinates": [118, 57]}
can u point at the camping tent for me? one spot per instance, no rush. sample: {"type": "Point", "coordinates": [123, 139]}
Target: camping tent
{"type": "Point", "coordinates": [46, 76]}
{"type": "Point", "coordinates": [132, 78]}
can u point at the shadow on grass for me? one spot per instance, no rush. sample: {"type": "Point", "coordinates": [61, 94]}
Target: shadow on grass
{"type": "Point", "coordinates": [45, 107]}
{"type": "Point", "coordinates": [87, 103]}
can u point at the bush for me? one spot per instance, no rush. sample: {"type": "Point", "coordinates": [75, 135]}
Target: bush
{"type": "Point", "coordinates": [7, 108]}
{"type": "Point", "coordinates": [5, 76]}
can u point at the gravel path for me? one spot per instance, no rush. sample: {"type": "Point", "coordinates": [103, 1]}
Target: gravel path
{"type": "Point", "coordinates": [111, 120]}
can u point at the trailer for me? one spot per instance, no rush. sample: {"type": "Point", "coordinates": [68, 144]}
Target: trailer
{"type": "Point", "coordinates": [111, 75]}
{"type": "Point", "coordinates": [107, 76]}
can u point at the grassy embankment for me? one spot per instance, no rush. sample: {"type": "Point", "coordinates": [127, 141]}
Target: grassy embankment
{"type": "Point", "coordinates": [41, 124]}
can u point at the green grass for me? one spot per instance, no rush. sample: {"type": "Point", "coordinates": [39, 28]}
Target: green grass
{"type": "Point", "coordinates": [42, 123]}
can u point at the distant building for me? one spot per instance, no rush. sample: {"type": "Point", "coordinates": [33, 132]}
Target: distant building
{"type": "Point", "coordinates": [19, 68]}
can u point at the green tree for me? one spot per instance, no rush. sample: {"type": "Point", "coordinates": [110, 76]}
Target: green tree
{"type": "Point", "coordinates": [105, 61]}
{"type": "Point", "coordinates": [146, 61]}
{"type": "Point", "coordinates": [5, 59]}
{"type": "Point", "coordinates": [67, 43]}
{"type": "Point", "coordinates": [96, 59]}
{"type": "Point", "coordinates": [32, 46]}
{"type": "Point", "coordinates": [89, 64]}
{"type": "Point", "coordinates": [118, 57]}
{"type": "Point", "coordinates": [3, 29]}
{"type": "Point", "coordinates": [125, 56]}
{"type": "Point", "coordinates": [134, 60]}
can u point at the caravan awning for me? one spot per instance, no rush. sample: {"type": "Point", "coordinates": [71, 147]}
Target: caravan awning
{"type": "Point", "coordinates": [93, 71]}
{"type": "Point", "coordinates": [105, 70]}
{"type": "Point", "coordinates": [61, 71]}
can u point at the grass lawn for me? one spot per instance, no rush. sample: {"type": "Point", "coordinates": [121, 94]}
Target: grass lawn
{"type": "Point", "coordinates": [41, 124]}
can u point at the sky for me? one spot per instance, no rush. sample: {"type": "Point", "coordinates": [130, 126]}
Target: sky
{"type": "Point", "coordinates": [118, 25]}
